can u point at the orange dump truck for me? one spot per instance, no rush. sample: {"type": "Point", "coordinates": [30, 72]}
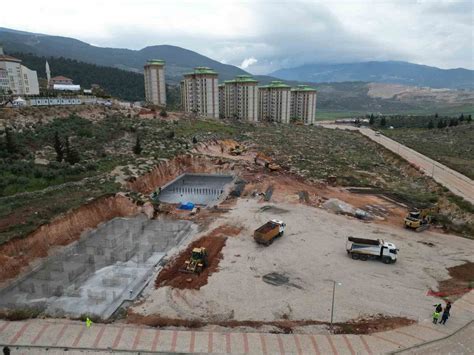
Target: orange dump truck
{"type": "Point", "coordinates": [267, 233]}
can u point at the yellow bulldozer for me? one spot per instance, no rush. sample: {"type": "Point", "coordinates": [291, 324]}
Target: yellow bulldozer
{"type": "Point", "coordinates": [419, 219]}
{"type": "Point", "coordinates": [237, 150]}
{"type": "Point", "coordinates": [197, 262]}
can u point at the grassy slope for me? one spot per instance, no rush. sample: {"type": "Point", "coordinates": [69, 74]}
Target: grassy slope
{"type": "Point", "coordinates": [311, 151]}
{"type": "Point", "coordinates": [452, 146]}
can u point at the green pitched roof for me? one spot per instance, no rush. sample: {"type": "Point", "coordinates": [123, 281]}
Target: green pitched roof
{"type": "Point", "coordinates": [202, 70]}
{"type": "Point", "coordinates": [155, 61]}
{"type": "Point", "coordinates": [276, 84]}
{"type": "Point", "coordinates": [303, 88]}
{"type": "Point", "coordinates": [242, 79]}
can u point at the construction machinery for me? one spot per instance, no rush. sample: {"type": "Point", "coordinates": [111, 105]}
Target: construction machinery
{"type": "Point", "coordinates": [267, 162]}
{"type": "Point", "coordinates": [365, 249]}
{"type": "Point", "coordinates": [237, 150]}
{"type": "Point", "coordinates": [419, 219]}
{"type": "Point", "coordinates": [197, 262]}
{"type": "Point", "coordinates": [267, 233]}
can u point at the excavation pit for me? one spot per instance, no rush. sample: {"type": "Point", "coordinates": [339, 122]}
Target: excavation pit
{"type": "Point", "coordinates": [103, 269]}
{"type": "Point", "coordinates": [200, 189]}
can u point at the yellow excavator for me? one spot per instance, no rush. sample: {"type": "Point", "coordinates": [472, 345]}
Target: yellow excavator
{"type": "Point", "coordinates": [419, 219]}
{"type": "Point", "coordinates": [197, 262]}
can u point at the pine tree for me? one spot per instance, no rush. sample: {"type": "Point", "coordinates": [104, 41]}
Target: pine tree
{"type": "Point", "coordinates": [431, 124]}
{"type": "Point", "coordinates": [137, 149]}
{"type": "Point", "coordinates": [10, 142]}
{"type": "Point", "coordinates": [72, 155]}
{"type": "Point", "coordinates": [371, 119]}
{"type": "Point", "coordinates": [436, 115]}
{"type": "Point", "coordinates": [440, 124]}
{"type": "Point", "coordinates": [461, 118]}
{"type": "Point", "coordinates": [383, 122]}
{"type": "Point", "coordinates": [58, 147]}
{"type": "Point", "coordinates": [469, 119]}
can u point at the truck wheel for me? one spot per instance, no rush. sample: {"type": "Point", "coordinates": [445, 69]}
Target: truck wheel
{"type": "Point", "coordinates": [386, 260]}
{"type": "Point", "coordinates": [363, 257]}
{"type": "Point", "coordinates": [355, 256]}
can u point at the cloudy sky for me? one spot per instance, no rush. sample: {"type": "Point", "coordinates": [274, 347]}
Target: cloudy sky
{"type": "Point", "coordinates": [262, 36]}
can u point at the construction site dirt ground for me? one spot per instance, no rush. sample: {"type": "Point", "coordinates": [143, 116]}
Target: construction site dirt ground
{"type": "Point", "coordinates": [304, 263]}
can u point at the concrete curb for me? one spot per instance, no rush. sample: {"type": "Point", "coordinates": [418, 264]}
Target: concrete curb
{"type": "Point", "coordinates": [432, 341]}
{"type": "Point", "coordinates": [67, 348]}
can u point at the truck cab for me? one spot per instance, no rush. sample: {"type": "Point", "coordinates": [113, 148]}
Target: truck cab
{"type": "Point", "coordinates": [281, 224]}
{"type": "Point", "coordinates": [271, 230]}
{"type": "Point", "coordinates": [389, 250]}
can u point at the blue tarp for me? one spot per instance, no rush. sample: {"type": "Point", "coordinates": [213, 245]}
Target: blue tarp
{"type": "Point", "coordinates": [186, 206]}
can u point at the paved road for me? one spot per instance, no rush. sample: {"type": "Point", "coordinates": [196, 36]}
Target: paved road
{"type": "Point", "coordinates": [460, 343]}
{"type": "Point", "coordinates": [37, 335]}
{"type": "Point", "coordinates": [457, 183]}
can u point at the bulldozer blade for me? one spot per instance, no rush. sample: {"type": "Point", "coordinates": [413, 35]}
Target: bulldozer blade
{"type": "Point", "coordinates": [187, 271]}
{"type": "Point", "coordinates": [422, 228]}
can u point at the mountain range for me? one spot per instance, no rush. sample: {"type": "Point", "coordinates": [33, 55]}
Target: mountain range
{"type": "Point", "coordinates": [180, 60]}
{"type": "Point", "coordinates": [118, 71]}
{"type": "Point", "coordinates": [393, 72]}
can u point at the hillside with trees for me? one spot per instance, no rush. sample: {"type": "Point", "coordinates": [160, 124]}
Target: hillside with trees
{"type": "Point", "coordinates": [117, 83]}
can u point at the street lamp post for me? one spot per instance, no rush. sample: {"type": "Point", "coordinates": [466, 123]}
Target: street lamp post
{"type": "Point", "coordinates": [332, 304]}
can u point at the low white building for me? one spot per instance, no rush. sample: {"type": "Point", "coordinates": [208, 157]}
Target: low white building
{"type": "Point", "coordinates": [66, 87]}
{"type": "Point", "coordinates": [55, 101]}
{"type": "Point", "coordinates": [21, 80]}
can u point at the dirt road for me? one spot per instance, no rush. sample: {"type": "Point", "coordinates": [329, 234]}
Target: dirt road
{"type": "Point", "coordinates": [311, 254]}
{"type": "Point", "coordinates": [451, 179]}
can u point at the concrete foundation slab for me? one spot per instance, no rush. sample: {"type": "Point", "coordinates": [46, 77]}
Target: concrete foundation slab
{"type": "Point", "coordinates": [95, 275]}
{"type": "Point", "coordinates": [201, 189]}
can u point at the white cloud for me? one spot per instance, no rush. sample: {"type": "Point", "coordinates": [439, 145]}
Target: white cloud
{"type": "Point", "coordinates": [247, 62]}
{"type": "Point", "coordinates": [281, 33]}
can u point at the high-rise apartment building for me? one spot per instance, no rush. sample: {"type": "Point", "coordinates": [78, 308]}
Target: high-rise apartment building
{"type": "Point", "coordinates": [155, 90]}
{"type": "Point", "coordinates": [241, 98]}
{"type": "Point", "coordinates": [17, 78]}
{"type": "Point", "coordinates": [303, 104]}
{"type": "Point", "coordinates": [274, 102]}
{"type": "Point", "coordinates": [200, 93]}
{"type": "Point", "coordinates": [221, 100]}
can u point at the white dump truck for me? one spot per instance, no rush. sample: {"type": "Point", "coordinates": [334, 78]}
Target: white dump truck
{"type": "Point", "coordinates": [364, 249]}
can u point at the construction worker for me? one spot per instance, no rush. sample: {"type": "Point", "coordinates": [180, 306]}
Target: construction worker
{"type": "Point", "coordinates": [445, 316]}
{"type": "Point", "coordinates": [439, 308]}
{"type": "Point", "coordinates": [435, 317]}
{"type": "Point", "coordinates": [448, 307]}
{"type": "Point", "coordinates": [88, 322]}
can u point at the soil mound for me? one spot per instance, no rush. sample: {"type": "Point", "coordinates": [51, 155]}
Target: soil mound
{"type": "Point", "coordinates": [213, 242]}
{"type": "Point", "coordinates": [460, 283]}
